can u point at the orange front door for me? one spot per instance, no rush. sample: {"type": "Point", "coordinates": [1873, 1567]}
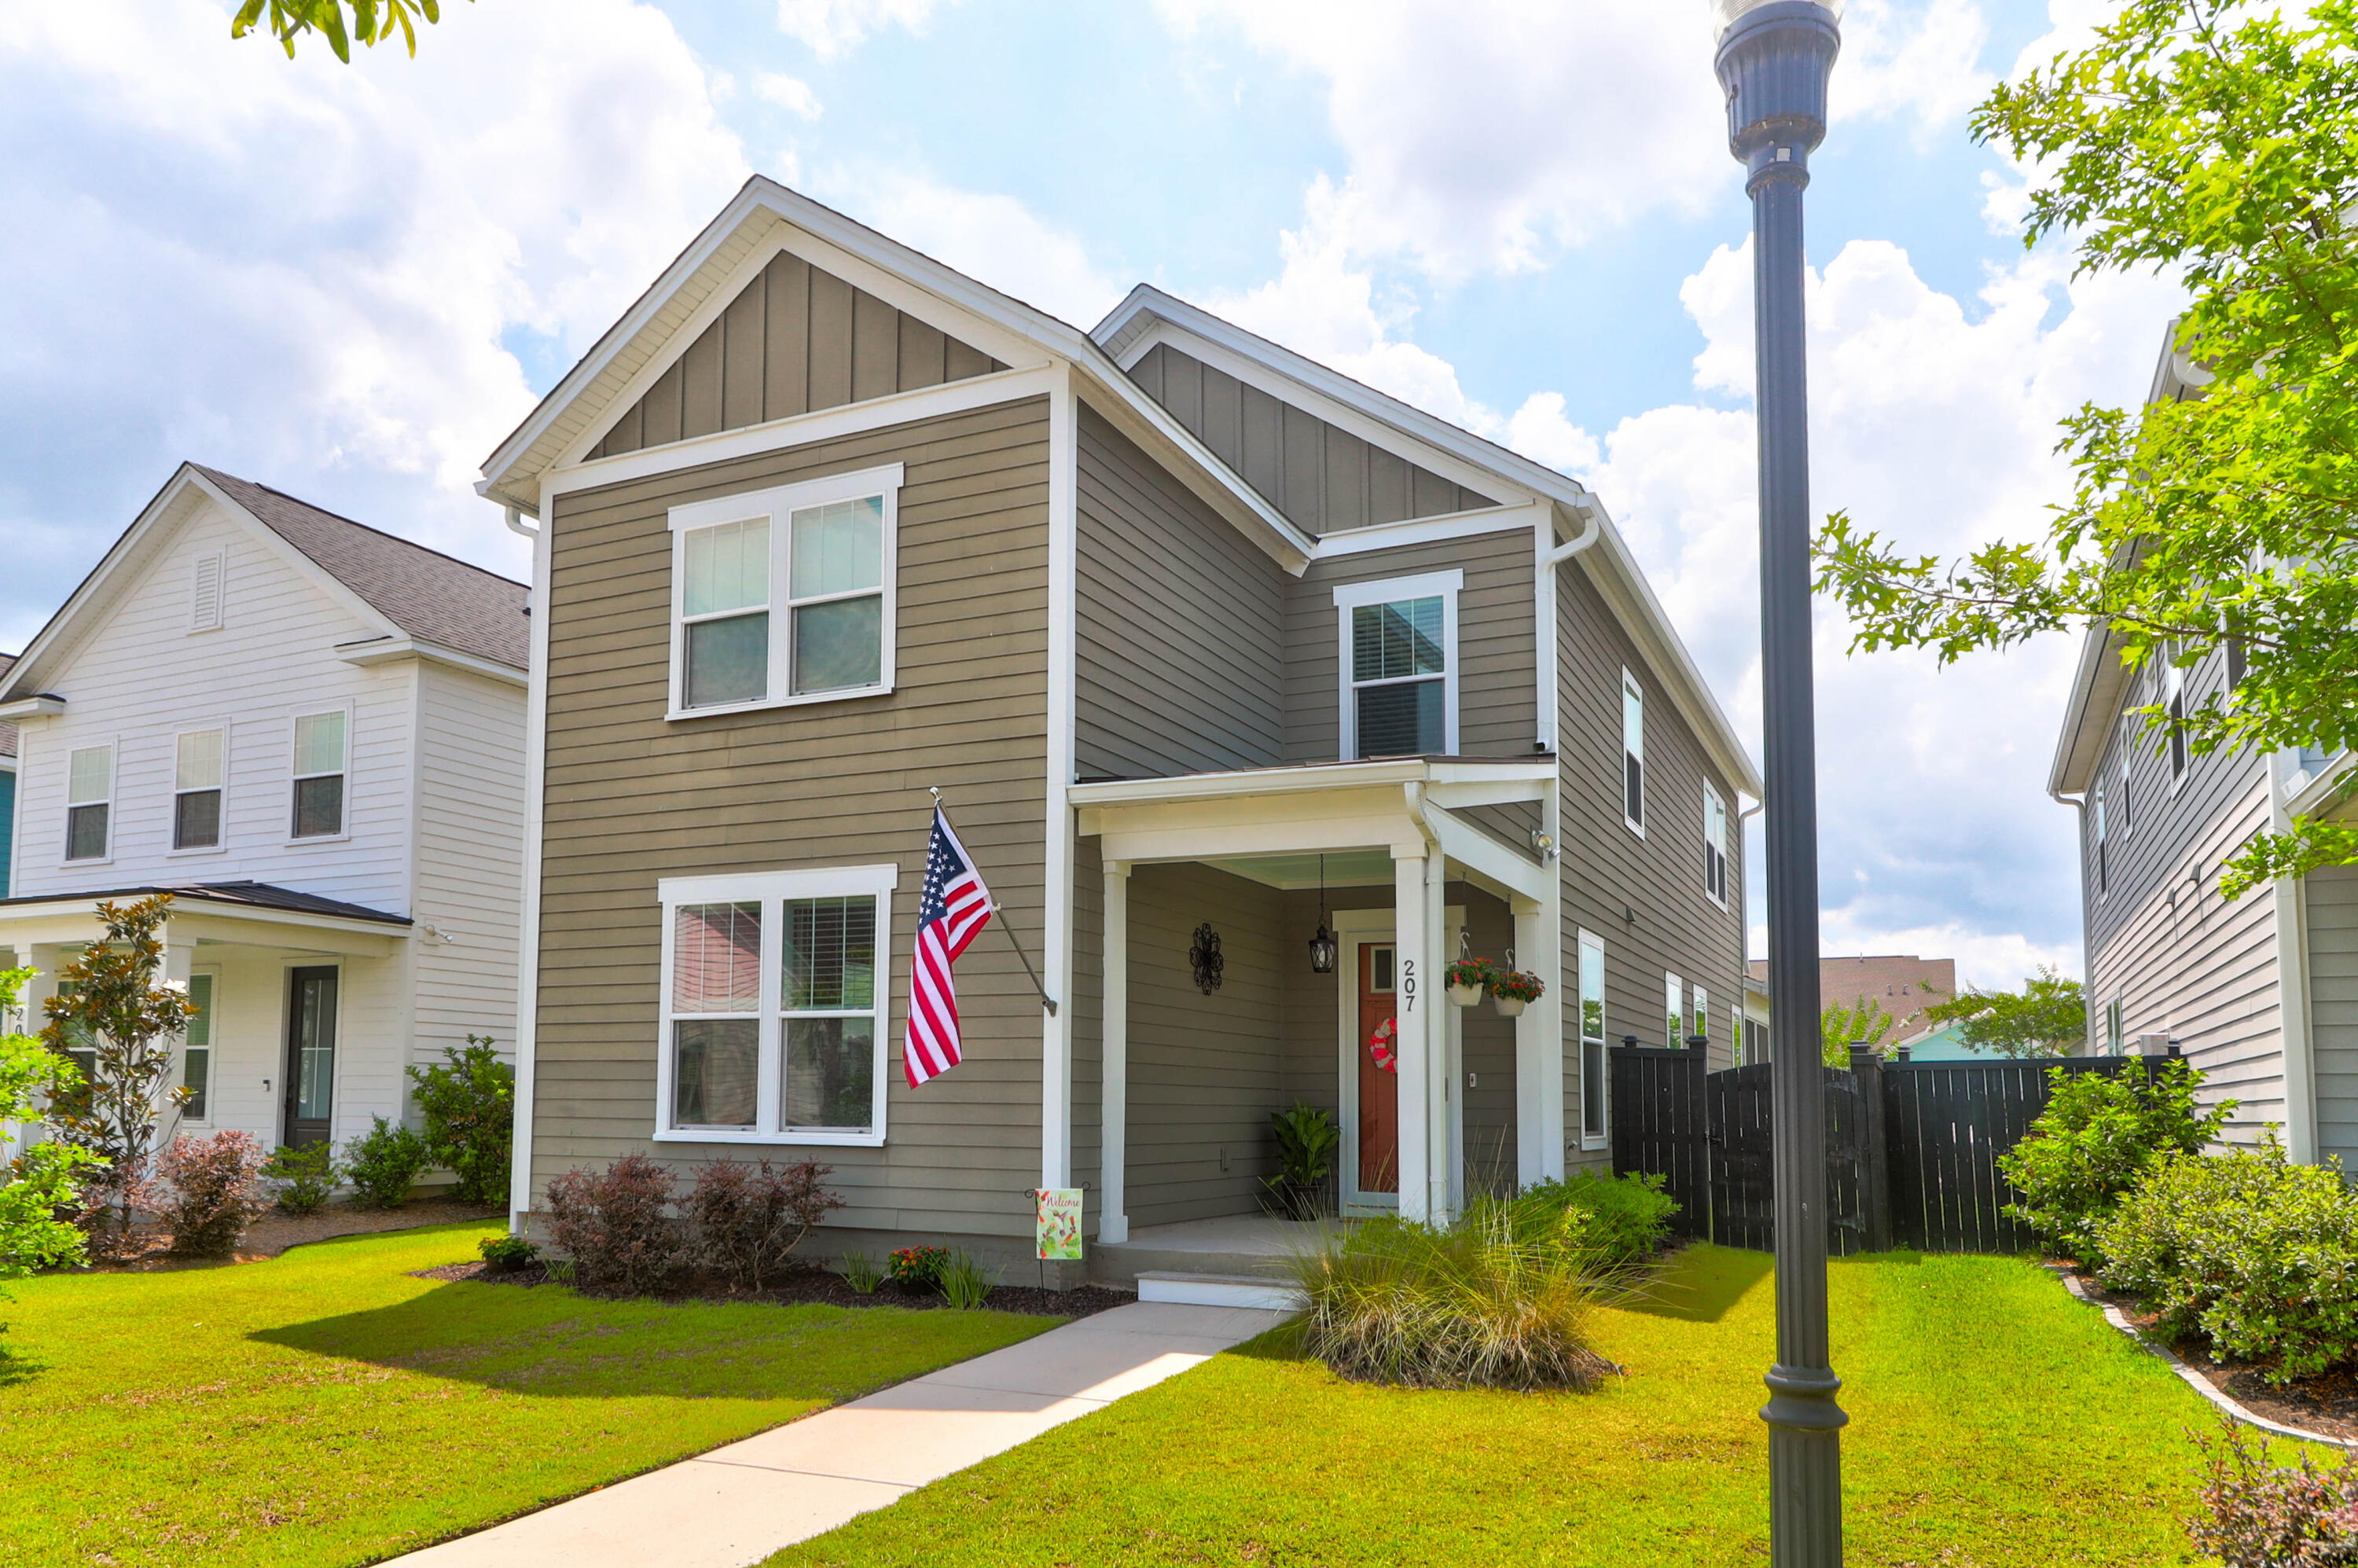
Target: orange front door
{"type": "Point", "coordinates": [1379, 1087]}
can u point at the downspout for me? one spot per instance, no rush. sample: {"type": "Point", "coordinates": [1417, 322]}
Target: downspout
{"type": "Point", "coordinates": [2078, 804]}
{"type": "Point", "coordinates": [1548, 556]}
{"type": "Point", "coordinates": [1592, 512]}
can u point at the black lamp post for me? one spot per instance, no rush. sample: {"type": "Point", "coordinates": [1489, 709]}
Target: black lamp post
{"type": "Point", "coordinates": [1774, 56]}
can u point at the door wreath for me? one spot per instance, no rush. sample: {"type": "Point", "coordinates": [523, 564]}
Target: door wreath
{"type": "Point", "coordinates": [1381, 1047]}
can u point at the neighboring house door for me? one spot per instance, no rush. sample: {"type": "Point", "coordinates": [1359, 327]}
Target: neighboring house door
{"type": "Point", "coordinates": [310, 1055]}
{"type": "Point", "coordinates": [1378, 1085]}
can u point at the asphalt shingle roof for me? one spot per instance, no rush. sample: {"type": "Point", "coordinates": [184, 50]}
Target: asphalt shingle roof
{"type": "Point", "coordinates": [253, 895]}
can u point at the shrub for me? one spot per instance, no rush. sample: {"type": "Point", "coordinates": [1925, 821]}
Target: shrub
{"type": "Point", "coordinates": [861, 1272]}
{"type": "Point", "coordinates": [382, 1165]}
{"type": "Point", "coordinates": [1307, 1140]}
{"type": "Point", "coordinates": [918, 1268]}
{"type": "Point", "coordinates": [1626, 1217]}
{"type": "Point", "coordinates": [2270, 1516]}
{"type": "Point", "coordinates": [2097, 1136]}
{"type": "Point", "coordinates": [611, 1223]}
{"type": "Point", "coordinates": [748, 1219]}
{"type": "Point", "coordinates": [966, 1284]}
{"type": "Point", "coordinates": [305, 1177]}
{"type": "Point", "coordinates": [2260, 1255]}
{"type": "Point", "coordinates": [1473, 1307]}
{"type": "Point", "coordinates": [468, 1103]}
{"type": "Point", "coordinates": [209, 1191]}
{"type": "Point", "coordinates": [505, 1254]}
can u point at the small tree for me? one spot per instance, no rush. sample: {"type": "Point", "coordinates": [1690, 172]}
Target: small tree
{"type": "Point", "coordinates": [46, 1178]}
{"type": "Point", "coordinates": [1863, 1022]}
{"type": "Point", "coordinates": [469, 1104]}
{"type": "Point", "coordinates": [2045, 1018]}
{"type": "Point", "coordinates": [111, 1006]}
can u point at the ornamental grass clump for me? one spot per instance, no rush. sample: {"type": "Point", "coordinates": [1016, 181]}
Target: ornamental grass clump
{"type": "Point", "coordinates": [1476, 1306]}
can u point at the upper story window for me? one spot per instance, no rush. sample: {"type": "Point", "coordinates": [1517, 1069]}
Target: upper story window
{"type": "Point", "coordinates": [1715, 845]}
{"type": "Point", "coordinates": [322, 745]}
{"type": "Point", "coordinates": [89, 802]}
{"type": "Point", "coordinates": [2173, 691]}
{"type": "Point", "coordinates": [1633, 754]}
{"type": "Point", "coordinates": [785, 595]}
{"type": "Point", "coordinates": [196, 790]}
{"type": "Point", "coordinates": [774, 1006]}
{"type": "Point", "coordinates": [207, 576]}
{"type": "Point", "coordinates": [2104, 849]}
{"type": "Point", "coordinates": [1399, 660]}
{"type": "Point", "coordinates": [2125, 803]}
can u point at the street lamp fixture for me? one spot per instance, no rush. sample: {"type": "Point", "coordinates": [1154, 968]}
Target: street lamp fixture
{"type": "Point", "coordinates": [1774, 59]}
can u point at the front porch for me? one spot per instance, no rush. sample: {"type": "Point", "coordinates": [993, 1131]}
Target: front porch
{"type": "Point", "coordinates": [1404, 862]}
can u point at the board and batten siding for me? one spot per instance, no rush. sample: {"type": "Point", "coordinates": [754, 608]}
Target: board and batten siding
{"type": "Point", "coordinates": [1321, 477]}
{"type": "Point", "coordinates": [470, 878]}
{"type": "Point", "coordinates": [1179, 617]}
{"type": "Point", "coordinates": [796, 339]}
{"type": "Point", "coordinates": [631, 798]}
{"type": "Point", "coordinates": [1642, 895]}
{"type": "Point", "coordinates": [1497, 685]}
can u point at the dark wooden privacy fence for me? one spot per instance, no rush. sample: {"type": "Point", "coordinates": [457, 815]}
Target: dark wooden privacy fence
{"type": "Point", "coordinates": [1912, 1147]}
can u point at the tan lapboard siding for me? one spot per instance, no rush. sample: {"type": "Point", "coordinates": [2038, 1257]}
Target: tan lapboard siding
{"type": "Point", "coordinates": [795, 339]}
{"type": "Point", "coordinates": [1321, 477]}
{"type": "Point", "coordinates": [1643, 895]}
{"type": "Point", "coordinates": [2188, 964]}
{"type": "Point", "coordinates": [1178, 642]}
{"type": "Point", "coordinates": [631, 798]}
{"type": "Point", "coordinates": [1496, 715]}
{"type": "Point", "coordinates": [2331, 899]}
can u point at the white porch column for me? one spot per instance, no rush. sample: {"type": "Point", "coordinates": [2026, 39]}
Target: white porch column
{"type": "Point", "coordinates": [1445, 1094]}
{"type": "Point", "coordinates": [1414, 1037]}
{"type": "Point", "coordinates": [1113, 1141]}
{"type": "Point", "coordinates": [1538, 1041]}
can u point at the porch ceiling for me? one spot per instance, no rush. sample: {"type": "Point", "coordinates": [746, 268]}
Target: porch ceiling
{"type": "Point", "coordinates": [1349, 867]}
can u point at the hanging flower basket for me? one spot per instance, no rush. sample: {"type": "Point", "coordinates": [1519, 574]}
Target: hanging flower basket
{"type": "Point", "coordinates": [1512, 990]}
{"type": "Point", "coordinates": [1468, 980]}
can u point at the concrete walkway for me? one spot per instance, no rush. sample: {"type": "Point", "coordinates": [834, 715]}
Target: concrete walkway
{"type": "Point", "coordinates": [735, 1505]}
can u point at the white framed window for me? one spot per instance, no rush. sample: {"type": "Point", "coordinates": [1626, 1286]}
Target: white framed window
{"type": "Point", "coordinates": [1397, 650]}
{"type": "Point", "coordinates": [1633, 754]}
{"type": "Point", "coordinates": [1715, 847]}
{"type": "Point", "coordinates": [319, 803]}
{"type": "Point", "coordinates": [2102, 830]}
{"type": "Point", "coordinates": [1674, 1011]}
{"type": "Point", "coordinates": [776, 999]}
{"type": "Point", "coordinates": [785, 596]}
{"type": "Point", "coordinates": [197, 1048]}
{"type": "Point", "coordinates": [208, 578]}
{"type": "Point", "coordinates": [1593, 1089]}
{"type": "Point", "coordinates": [2173, 697]}
{"type": "Point", "coordinates": [2113, 1039]}
{"type": "Point", "coordinates": [90, 802]}
{"type": "Point", "coordinates": [1701, 1011]}
{"type": "Point", "coordinates": [2125, 800]}
{"type": "Point", "coordinates": [200, 763]}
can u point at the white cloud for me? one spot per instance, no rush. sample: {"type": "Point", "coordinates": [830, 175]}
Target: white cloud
{"type": "Point", "coordinates": [833, 28]}
{"type": "Point", "coordinates": [990, 237]}
{"type": "Point", "coordinates": [791, 93]}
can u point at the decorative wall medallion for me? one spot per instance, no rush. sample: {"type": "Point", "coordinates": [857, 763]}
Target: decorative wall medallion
{"type": "Point", "coordinates": [1204, 956]}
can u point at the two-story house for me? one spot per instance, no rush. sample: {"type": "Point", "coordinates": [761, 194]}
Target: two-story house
{"type": "Point", "coordinates": [312, 734]}
{"type": "Point", "coordinates": [2261, 993]}
{"type": "Point", "coordinates": [1210, 651]}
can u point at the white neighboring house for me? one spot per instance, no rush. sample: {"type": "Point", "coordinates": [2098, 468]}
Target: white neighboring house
{"type": "Point", "coordinates": [312, 734]}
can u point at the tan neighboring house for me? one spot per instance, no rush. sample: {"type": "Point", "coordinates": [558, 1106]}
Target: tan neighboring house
{"type": "Point", "coordinates": [1208, 648]}
{"type": "Point", "coordinates": [1902, 984]}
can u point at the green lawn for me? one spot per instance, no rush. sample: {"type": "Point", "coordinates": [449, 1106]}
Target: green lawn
{"type": "Point", "coordinates": [1993, 1421]}
{"type": "Point", "coordinates": [323, 1407]}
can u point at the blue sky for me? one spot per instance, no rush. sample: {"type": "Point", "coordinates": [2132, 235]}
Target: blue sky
{"type": "Point", "coordinates": [351, 282]}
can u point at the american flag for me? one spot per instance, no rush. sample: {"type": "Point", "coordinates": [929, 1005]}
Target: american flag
{"type": "Point", "coordinates": [949, 912]}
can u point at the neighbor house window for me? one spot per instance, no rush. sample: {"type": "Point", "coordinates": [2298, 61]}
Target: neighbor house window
{"type": "Point", "coordinates": [321, 745]}
{"type": "Point", "coordinates": [2126, 804]}
{"type": "Point", "coordinates": [206, 576]}
{"type": "Point", "coordinates": [1674, 1000]}
{"type": "Point", "coordinates": [2173, 686]}
{"type": "Point", "coordinates": [196, 791]}
{"type": "Point", "coordinates": [197, 1050]}
{"type": "Point", "coordinates": [774, 1006]}
{"type": "Point", "coordinates": [1715, 845]}
{"type": "Point", "coordinates": [89, 802]}
{"type": "Point", "coordinates": [1702, 1013]}
{"type": "Point", "coordinates": [1633, 753]}
{"type": "Point", "coordinates": [1593, 1089]}
{"type": "Point", "coordinates": [81, 1049]}
{"type": "Point", "coordinates": [1399, 659]}
{"type": "Point", "coordinates": [785, 595]}
{"type": "Point", "coordinates": [2103, 850]}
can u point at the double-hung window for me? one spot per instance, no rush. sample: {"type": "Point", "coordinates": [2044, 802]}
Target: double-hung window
{"type": "Point", "coordinates": [785, 595]}
{"type": "Point", "coordinates": [1633, 753]}
{"type": "Point", "coordinates": [197, 768]}
{"type": "Point", "coordinates": [2126, 802]}
{"type": "Point", "coordinates": [1673, 999]}
{"type": "Point", "coordinates": [89, 802]}
{"type": "Point", "coordinates": [1399, 659]}
{"type": "Point", "coordinates": [197, 1048]}
{"type": "Point", "coordinates": [322, 748]}
{"type": "Point", "coordinates": [1714, 846]}
{"type": "Point", "coordinates": [774, 1006]}
{"type": "Point", "coordinates": [1592, 1042]}
{"type": "Point", "coordinates": [1701, 1011]}
{"type": "Point", "coordinates": [2173, 694]}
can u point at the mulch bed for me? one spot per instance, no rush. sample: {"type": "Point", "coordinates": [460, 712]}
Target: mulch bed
{"type": "Point", "coordinates": [276, 1232]}
{"type": "Point", "coordinates": [819, 1287]}
{"type": "Point", "coordinates": [2326, 1404]}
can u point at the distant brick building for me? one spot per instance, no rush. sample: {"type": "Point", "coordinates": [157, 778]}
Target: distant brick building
{"type": "Point", "coordinates": [1903, 983]}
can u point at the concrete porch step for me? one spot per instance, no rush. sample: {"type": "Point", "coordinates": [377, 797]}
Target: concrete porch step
{"type": "Point", "coordinates": [1218, 1290]}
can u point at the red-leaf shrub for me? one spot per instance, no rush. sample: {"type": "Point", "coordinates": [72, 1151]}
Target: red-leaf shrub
{"type": "Point", "coordinates": [2271, 1516]}
{"type": "Point", "coordinates": [611, 1224]}
{"type": "Point", "coordinates": [209, 1190]}
{"type": "Point", "coordinates": [748, 1219]}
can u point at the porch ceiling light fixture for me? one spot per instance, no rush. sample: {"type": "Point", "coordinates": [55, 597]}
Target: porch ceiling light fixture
{"type": "Point", "coordinates": [1323, 945]}
{"type": "Point", "coordinates": [1204, 959]}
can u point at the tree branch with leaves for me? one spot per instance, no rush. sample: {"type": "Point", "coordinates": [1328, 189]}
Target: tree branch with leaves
{"type": "Point", "coordinates": [2045, 1018]}
{"type": "Point", "coordinates": [371, 22]}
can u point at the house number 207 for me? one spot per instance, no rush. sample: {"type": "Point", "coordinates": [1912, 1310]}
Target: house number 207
{"type": "Point", "coordinates": [1407, 985]}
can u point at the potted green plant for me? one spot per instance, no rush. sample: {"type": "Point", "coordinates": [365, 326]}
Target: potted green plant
{"type": "Point", "coordinates": [1468, 980]}
{"type": "Point", "coordinates": [1512, 990]}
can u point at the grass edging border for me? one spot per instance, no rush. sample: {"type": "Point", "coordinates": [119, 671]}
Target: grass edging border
{"type": "Point", "coordinates": [2225, 1404]}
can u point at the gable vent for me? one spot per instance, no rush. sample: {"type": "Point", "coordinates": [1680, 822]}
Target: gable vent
{"type": "Point", "coordinates": [205, 595]}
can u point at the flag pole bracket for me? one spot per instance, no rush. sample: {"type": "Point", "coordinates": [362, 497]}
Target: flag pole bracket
{"type": "Point", "coordinates": [999, 914]}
